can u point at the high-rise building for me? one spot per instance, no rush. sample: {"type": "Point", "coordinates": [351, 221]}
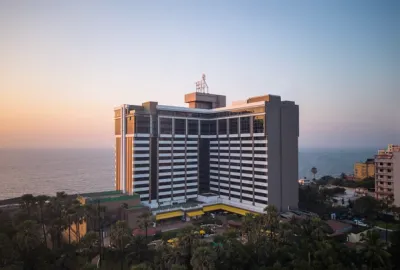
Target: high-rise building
{"type": "Point", "coordinates": [246, 154]}
{"type": "Point", "coordinates": [387, 174]}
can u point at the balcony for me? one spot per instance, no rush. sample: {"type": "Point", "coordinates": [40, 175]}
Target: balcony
{"type": "Point", "coordinates": [384, 173]}
{"type": "Point", "coordinates": [383, 192]}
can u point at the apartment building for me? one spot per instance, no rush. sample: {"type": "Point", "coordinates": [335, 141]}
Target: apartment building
{"type": "Point", "coordinates": [387, 174]}
{"type": "Point", "coordinates": [365, 169]}
{"type": "Point", "coordinates": [246, 154]}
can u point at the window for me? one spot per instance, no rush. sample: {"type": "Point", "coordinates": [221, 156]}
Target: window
{"type": "Point", "coordinates": [208, 127]}
{"type": "Point", "coordinates": [193, 126]}
{"type": "Point", "coordinates": [258, 124]}
{"type": "Point", "coordinates": [245, 125]}
{"type": "Point", "coordinates": [233, 126]}
{"type": "Point", "coordinates": [205, 127]}
{"type": "Point", "coordinates": [142, 124]}
{"type": "Point", "coordinates": [213, 127]}
{"type": "Point", "coordinates": [180, 126]}
{"type": "Point", "coordinates": [222, 126]}
{"type": "Point", "coordinates": [165, 126]}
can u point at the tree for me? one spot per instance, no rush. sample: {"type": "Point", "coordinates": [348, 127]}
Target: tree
{"type": "Point", "coordinates": [203, 259]}
{"type": "Point", "coordinates": [7, 252]}
{"type": "Point", "coordinates": [367, 207]}
{"type": "Point", "coordinates": [41, 201]}
{"type": "Point", "coordinates": [121, 237]}
{"type": "Point", "coordinates": [394, 248]}
{"type": "Point", "coordinates": [27, 240]}
{"type": "Point", "coordinates": [314, 171]}
{"type": "Point", "coordinates": [271, 219]}
{"type": "Point", "coordinates": [88, 246]}
{"type": "Point", "coordinates": [374, 251]}
{"type": "Point", "coordinates": [142, 266]}
{"type": "Point", "coordinates": [27, 203]}
{"type": "Point", "coordinates": [145, 220]}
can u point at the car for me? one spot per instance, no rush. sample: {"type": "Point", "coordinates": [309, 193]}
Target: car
{"type": "Point", "coordinates": [360, 223]}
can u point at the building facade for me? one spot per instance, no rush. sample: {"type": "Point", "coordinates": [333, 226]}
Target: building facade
{"type": "Point", "coordinates": [365, 169]}
{"type": "Point", "coordinates": [387, 174]}
{"type": "Point", "coordinates": [246, 154]}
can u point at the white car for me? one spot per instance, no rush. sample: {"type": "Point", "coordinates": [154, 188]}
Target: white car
{"type": "Point", "coordinates": [360, 223]}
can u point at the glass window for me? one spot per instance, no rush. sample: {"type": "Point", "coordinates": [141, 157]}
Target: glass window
{"type": "Point", "coordinates": [180, 126]}
{"type": "Point", "coordinates": [233, 126]}
{"type": "Point", "coordinates": [213, 127]}
{"type": "Point", "coordinates": [222, 125]}
{"type": "Point", "coordinates": [245, 125]}
{"type": "Point", "coordinates": [142, 124]}
{"type": "Point", "coordinates": [193, 126]}
{"type": "Point", "coordinates": [165, 125]}
{"type": "Point", "coordinates": [258, 124]}
{"type": "Point", "coordinates": [205, 127]}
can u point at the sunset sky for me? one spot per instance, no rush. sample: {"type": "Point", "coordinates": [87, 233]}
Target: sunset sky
{"type": "Point", "coordinates": [64, 65]}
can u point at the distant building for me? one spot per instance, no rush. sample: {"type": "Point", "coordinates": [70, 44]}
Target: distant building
{"type": "Point", "coordinates": [387, 174]}
{"type": "Point", "coordinates": [339, 227]}
{"type": "Point", "coordinates": [304, 181]}
{"type": "Point", "coordinates": [365, 169]}
{"type": "Point", "coordinates": [118, 206]}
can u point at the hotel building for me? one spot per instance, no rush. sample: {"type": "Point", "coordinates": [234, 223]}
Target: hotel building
{"type": "Point", "coordinates": [387, 174]}
{"type": "Point", "coordinates": [245, 154]}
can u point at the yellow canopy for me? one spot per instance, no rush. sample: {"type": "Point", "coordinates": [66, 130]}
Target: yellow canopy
{"type": "Point", "coordinates": [169, 215]}
{"type": "Point", "coordinates": [195, 213]}
{"type": "Point", "coordinates": [227, 208]}
{"type": "Point", "coordinates": [202, 232]}
{"type": "Point", "coordinates": [212, 207]}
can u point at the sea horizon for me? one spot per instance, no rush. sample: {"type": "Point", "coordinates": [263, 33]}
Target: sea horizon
{"type": "Point", "coordinates": [78, 170]}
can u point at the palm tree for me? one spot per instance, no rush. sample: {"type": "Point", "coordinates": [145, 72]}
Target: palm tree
{"type": "Point", "coordinates": [89, 245]}
{"type": "Point", "coordinates": [27, 202]}
{"type": "Point", "coordinates": [41, 201]}
{"type": "Point", "coordinates": [271, 218]}
{"type": "Point", "coordinates": [7, 251]}
{"type": "Point", "coordinates": [70, 220]}
{"type": "Point", "coordinates": [374, 251]}
{"type": "Point", "coordinates": [247, 225]}
{"type": "Point", "coordinates": [203, 259]}
{"type": "Point", "coordinates": [314, 171]}
{"type": "Point", "coordinates": [121, 237]}
{"type": "Point", "coordinates": [78, 218]}
{"type": "Point", "coordinates": [145, 220]}
{"type": "Point", "coordinates": [27, 240]}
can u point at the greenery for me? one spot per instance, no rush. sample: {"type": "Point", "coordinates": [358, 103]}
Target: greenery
{"type": "Point", "coordinates": [32, 238]}
{"type": "Point", "coordinates": [368, 183]}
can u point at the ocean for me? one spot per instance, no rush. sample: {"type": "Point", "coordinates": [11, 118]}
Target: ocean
{"type": "Point", "coordinates": [86, 170]}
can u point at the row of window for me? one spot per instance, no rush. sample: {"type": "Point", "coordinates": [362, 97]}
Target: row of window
{"type": "Point", "coordinates": [177, 139]}
{"type": "Point", "coordinates": [237, 177]}
{"type": "Point", "coordinates": [263, 166]}
{"type": "Point", "coordinates": [255, 124]}
{"type": "Point", "coordinates": [181, 175]}
{"type": "Point", "coordinates": [244, 198]}
{"type": "Point", "coordinates": [236, 112]}
{"type": "Point", "coordinates": [181, 194]}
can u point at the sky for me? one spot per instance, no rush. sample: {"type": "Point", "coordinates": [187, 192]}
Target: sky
{"type": "Point", "coordinates": [64, 65]}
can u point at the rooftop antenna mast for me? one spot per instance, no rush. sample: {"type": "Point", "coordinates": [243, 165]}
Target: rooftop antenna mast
{"type": "Point", "coordinates": [201, 86]}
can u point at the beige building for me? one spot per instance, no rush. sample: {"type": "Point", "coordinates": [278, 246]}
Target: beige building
{"type": "Point", "coordinates": [387, 174]}
{"type": "Point", "coordinates": [365, 169]}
